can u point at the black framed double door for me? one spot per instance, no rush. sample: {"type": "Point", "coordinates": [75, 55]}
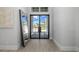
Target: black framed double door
{"type": "Point", "coordinates": [39, 26]}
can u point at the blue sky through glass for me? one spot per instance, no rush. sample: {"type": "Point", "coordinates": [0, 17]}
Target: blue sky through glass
{"type": "Point", "coordinates": [35, 19]}
{"type": "Point", "coordinates": [43, 19]}
{"type": "Point", "coordinates": [24, 19]}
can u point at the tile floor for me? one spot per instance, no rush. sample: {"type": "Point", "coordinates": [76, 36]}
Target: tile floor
{"type": "Point", "coordinates": [42, 45]}
{"type": "Point", "coordinates": [37, 45]}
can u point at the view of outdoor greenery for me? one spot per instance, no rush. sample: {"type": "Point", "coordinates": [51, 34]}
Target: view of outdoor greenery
{"type": "Point", "coordinates": [43, 23]}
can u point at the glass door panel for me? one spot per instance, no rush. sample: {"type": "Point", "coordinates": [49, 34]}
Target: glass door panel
{"type": "Point", "coordinates": [34, 26]}
{"type": "Point", "coordinates": [24, 27]}
{"type": "Point", "coordinates": [39, 27]}
{"type": "Point", "coordinates": [44, 26]}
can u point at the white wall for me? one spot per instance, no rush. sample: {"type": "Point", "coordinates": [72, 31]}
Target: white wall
{"type": "Point", "coordinates": [77, 28]}
{"type": "Point", "coordinates": [10, 37]}
{"type": "Point", "coordinates": [64, 28]}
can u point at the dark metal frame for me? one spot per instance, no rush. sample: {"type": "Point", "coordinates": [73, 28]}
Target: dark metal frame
{"type": "Point", "coordinates": [22, 39]}
{"type": "Point", "coordinates": [39, 25]}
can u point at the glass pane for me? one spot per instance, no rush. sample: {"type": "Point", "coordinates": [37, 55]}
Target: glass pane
{"type": "Point", "coordinates": [24, 26]}
{"type": "Point", "coordinates": [34, 26]}
{"type": "Point", "coordinates": [44, 26]}
{"type": "Point", "coordinates": [35, 9]}
{"type": "Point", "coordinates": [44, 9]}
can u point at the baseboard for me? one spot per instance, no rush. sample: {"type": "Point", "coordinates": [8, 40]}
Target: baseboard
{"type": "Point", "coordinates": [50, 38]}
{"type": "Point", "coordinates": [8, 47]}
{"type": "Point", "coordinates": [64, 48]}
{"type": "Point", "coordinates": [68, 49]}
{"type": "Point", "coordinates": [77, 49]}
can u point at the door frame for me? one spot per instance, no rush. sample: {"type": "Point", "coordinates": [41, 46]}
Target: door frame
{"type": "Point", "coordinates": [22, 39]}
{"type": "Point", "coordinates": [39, 21]}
